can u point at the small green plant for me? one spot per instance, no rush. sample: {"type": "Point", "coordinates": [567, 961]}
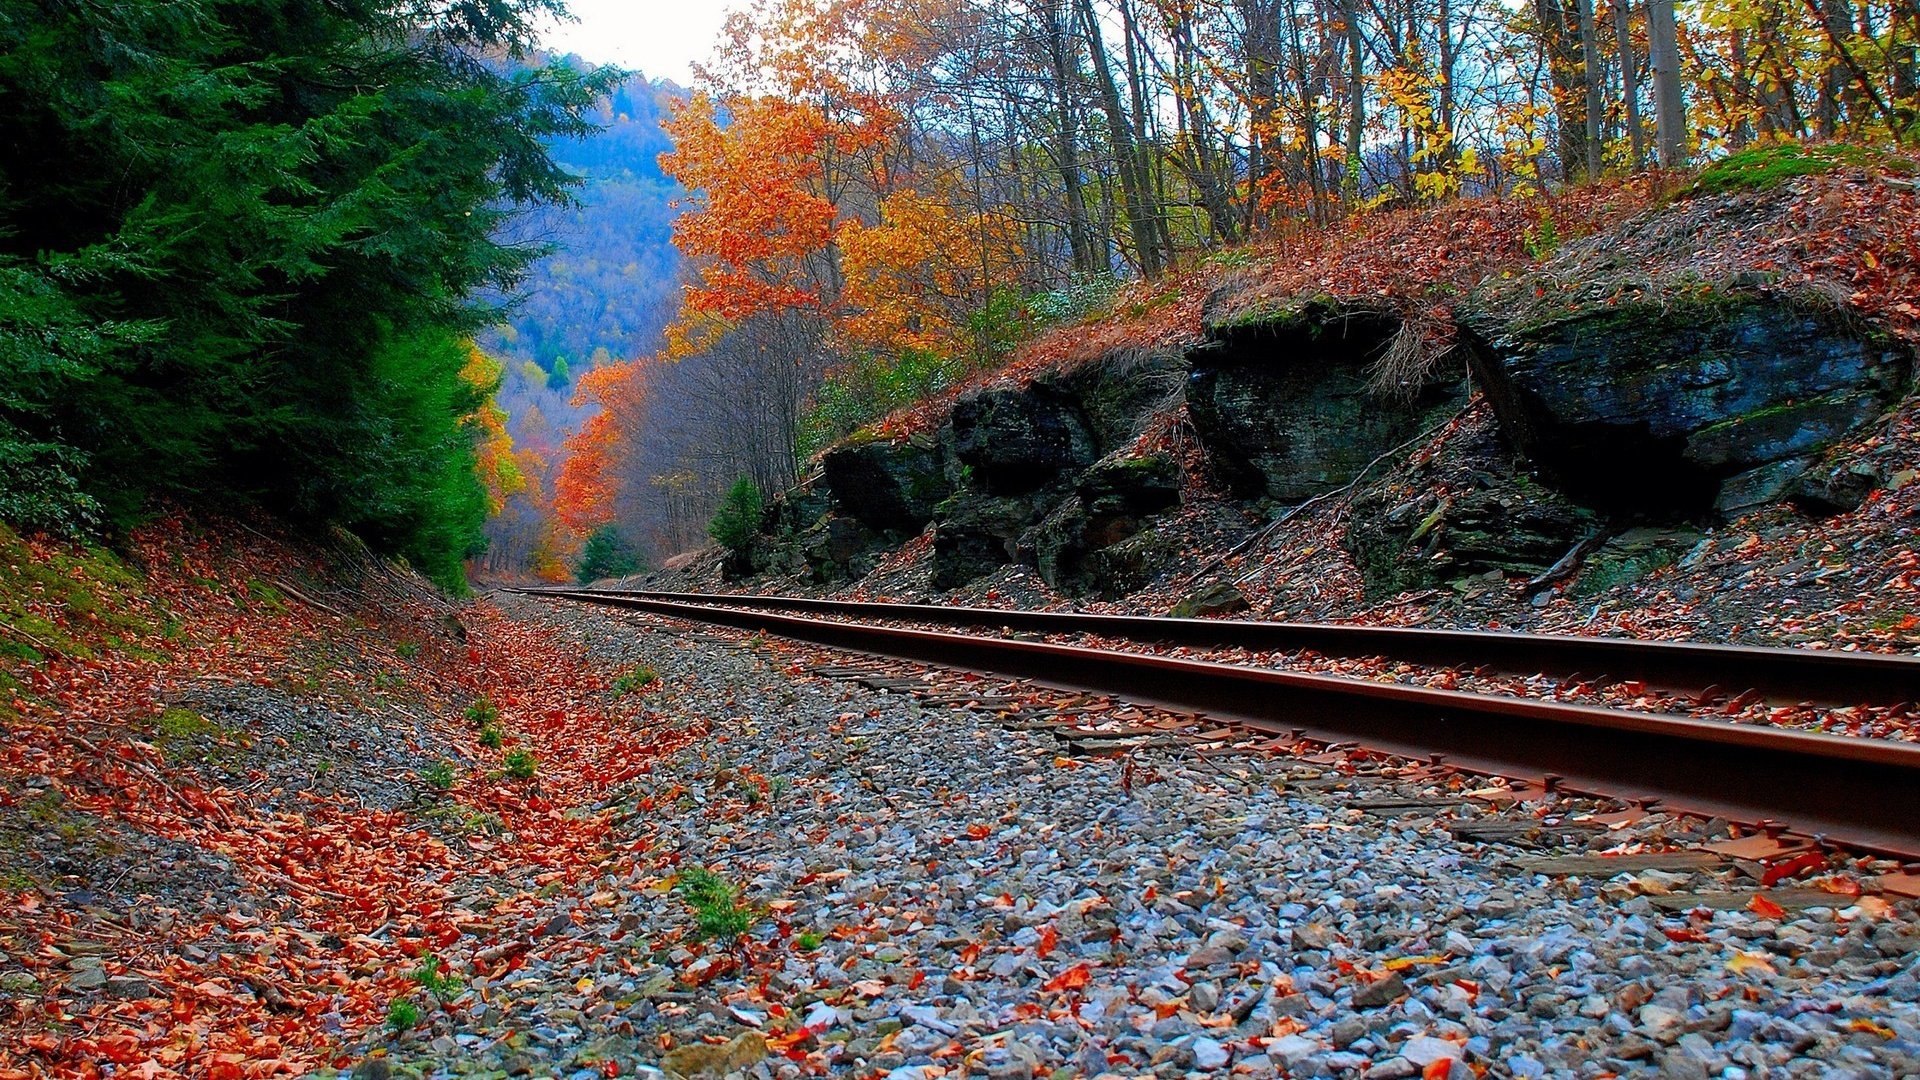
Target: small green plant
{"type": "Point", "coordinates": [436, 981]}
{"type": "Point", "coordinates": [408, 649]}
{"type": "Point", "coordinates": [635, 680]}
{"type": "Point", "coordinates": [520, 764]}
{"type": "Point", "coordinates": [750, 792]}
{"type": "Point", "coordinates": [717, 912]}
{"type": "Point", "coordinates": [439, 775]}
{"type": "Point", "coordinates": [1542, 238]}
{"type": "Point", "coordinates": [491, 738]}
{"type": "Point", "coordinates": [809, 941]}
{"type": "Point", "coordinates": [483, 712]}
{"type": "Point", "coordinates": [402, 1015]}
{"type": "Point", "coordinates": [778, 787]}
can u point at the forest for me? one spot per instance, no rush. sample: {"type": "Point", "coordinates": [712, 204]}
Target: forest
{"type": "Point", "coordinates": [890, 196]}
{"type": "Point", "coordinates": [391, 266]}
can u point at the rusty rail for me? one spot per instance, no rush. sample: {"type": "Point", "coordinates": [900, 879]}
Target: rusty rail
{"type": "Point", "coordinates": [1824, 677]}
{"type": "Point", "coordinates": [1864, 793]}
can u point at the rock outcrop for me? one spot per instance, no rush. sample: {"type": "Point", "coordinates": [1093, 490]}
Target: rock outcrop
{"type": "Point", "coordinates": [1087, 544]}
{"type": "Point", "coordinates": [1283, 403]}
{"type": "Point", "coordinates": [1678, 409]}
{"type": "Point", "coordinates": [889, 487]}
{"type": "Point", "coordinates": [1473, 509]}
{"type": "Point", "coordinates": [1016, 440]}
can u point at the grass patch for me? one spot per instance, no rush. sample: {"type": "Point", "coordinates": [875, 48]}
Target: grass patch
{"type": "Point", "coordinates": [464, 820]}
{"type": "Point", "coordinates": [67, 600]}
{"type": "Point", "coordinates": [1762, 167]}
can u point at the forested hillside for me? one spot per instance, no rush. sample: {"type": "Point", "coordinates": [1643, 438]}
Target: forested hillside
{"type": "Point", "coordinates": [890, 197]}
{"type": "Point", "coordinates": [606, 291]}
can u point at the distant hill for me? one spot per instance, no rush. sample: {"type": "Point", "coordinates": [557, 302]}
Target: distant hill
{"type": "Point", "coordinates": [613, 281]}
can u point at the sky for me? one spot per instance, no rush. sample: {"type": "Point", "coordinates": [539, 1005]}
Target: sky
{"type": "Point", "coordinates": [660, 38]}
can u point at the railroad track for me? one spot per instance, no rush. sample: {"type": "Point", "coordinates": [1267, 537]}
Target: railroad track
{"type": "Point", "coordinates": [1857, 792]}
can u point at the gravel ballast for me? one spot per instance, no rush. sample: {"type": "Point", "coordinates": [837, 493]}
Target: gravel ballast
{"type": "Point", "coordinates": [937, 895]}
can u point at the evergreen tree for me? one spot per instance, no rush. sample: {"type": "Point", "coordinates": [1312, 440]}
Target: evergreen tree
{"type": "Point", "coordinates": [240, 243]}
{"type": "Point", "coordinates": [606, 555]}
{"type": "Point", "coordinates": [738, 518]}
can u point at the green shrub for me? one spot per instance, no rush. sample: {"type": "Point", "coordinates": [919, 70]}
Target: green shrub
{"type": "Point", "coordinates": [809, 941]}
{"type": "Point", "coordinates": [491, 737]}
{"type": "Point", "coordinates": [483, 713]}
{"type": "Point", "coordinates": [607, 555]}
{"type": "Point", "coordinates": [738, 519]}
{"type": "Point", "coordinates": [521, 764]}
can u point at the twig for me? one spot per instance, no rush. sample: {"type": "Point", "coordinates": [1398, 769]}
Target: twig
{"type": "Point", "coordinates": [1566, 562]}
{"type": "Point", "coordinates": [29, 638]}
{"type": "Point", "coordinates": [284, 587]}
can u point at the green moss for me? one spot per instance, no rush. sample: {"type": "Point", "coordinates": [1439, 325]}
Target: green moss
{"type": "Point", "coordinates": [95, 592]}
{"type": "Point", "coordinates": [1764, 167]}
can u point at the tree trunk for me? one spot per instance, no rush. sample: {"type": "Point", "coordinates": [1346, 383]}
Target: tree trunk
{"type": "Point", "coordinates": [1669, 104]}
{"type": "Point", "coordinates": [1629, 82]}
{"type": "Point", "coordinates": [1067, 150]}
{"type": "Point", "coordinates": [1356, 96]}
{"type": "Point", "coordinates": [1134, 191]}
{"type": "Point", "coordinates": [1590, 75]}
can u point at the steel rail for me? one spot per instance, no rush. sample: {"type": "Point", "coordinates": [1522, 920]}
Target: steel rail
{"type": "Point", "coordinates": [1862, 793]}
{"type": "Point", "coordinates": [1826, 677]}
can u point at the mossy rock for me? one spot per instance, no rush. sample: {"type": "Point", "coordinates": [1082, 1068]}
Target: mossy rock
{"type": "Point", "coordinates": [1677, 410]}
{"type": "Point", "coordinates": [888, 487]}
{"type": "Point", "coordinates": [1286, 405]}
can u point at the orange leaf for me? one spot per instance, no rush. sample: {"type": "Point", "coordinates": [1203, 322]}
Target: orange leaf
{"type": "Point", "coordinates": [1766, 908]}
{"type": "Point", "coordinates": [1073, 978]}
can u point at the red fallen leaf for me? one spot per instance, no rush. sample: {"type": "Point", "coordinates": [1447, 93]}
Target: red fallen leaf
{"type": "Point", "coordinates": [1792, 868]}
{"type": "Point", "coordinates": [1049, 938]}
{"type": "Point", "coordinates": [1437, 1069]}
{"type": "Point", "coordinates": [1073, 978]}
{"type": "Point", "coordinates": [969, 954]}
{"type": "Point", "coordinates": [1766, 908]}
{"type": "Point", "coordinates": [1684, 934]}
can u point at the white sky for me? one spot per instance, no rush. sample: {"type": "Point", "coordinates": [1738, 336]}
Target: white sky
{"type": "Point", "coordinates": [659, 38]}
